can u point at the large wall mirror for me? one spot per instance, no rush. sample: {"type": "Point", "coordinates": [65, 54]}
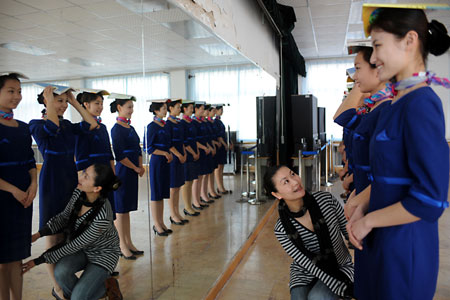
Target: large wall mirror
{"type": "Point", "coordinates": [151, 50]}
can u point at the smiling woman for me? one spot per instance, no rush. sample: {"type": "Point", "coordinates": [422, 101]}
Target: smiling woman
{"type": "Point", "coordinates": [310, 230]}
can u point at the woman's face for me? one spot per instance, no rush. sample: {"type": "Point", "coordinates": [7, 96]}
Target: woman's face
{"type": "Point", "coordinates": [86, 181]}
{"type": "Point", "coordinates": [205, 113]}
{"type": "Point", "coordinates": [162, 112]}
{"type": "Point", "coordinates": [219, 112]}
{"type": "Point", "coordinates": [288, 185]}
{"type": "Point", "coordinates": [189, 110]}
{"type": "Point", "coordinates": [60, 104]}
{"type": "Point", "coordinates": [10, 95]}
{"type": "Point", "coordinates": [95, 107]}
{"type": "Point", "coordinates": [365, 76]}
{"type": "Point", "coordinates": [126, 110]}
{"type": "Point", "coordinates": [199, 111]}
{"type": "Point", "coordinates": [212, 113]}
{"type": "Point", "coordinates": [175, 110]}
{"type": "Point", "coordinates": [389, 54]}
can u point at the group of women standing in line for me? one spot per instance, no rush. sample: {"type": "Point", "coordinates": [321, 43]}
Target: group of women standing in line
{"type": "Point", "coordinates": [185, 154]}
{"type": "Point", "coordinates": [65, 197]}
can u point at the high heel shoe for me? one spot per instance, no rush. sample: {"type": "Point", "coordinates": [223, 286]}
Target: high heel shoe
{"type": "Point", "coordinates": [197, 208]}
{"type": "Point", "coordinates": [206, 202]}
{"type": "Point", "coordinates": [214, 197]}
{"type": "Point", "coordinates": [169, 231]}
{"type": "Point", "coordinates": [187, 213]}
{"type": "Point", "coordinates": [204, 205]}
{"type": "Point", "coordinates": [185, 221]}
{"type": "Point", "coordinates": [224, 192]}
{"type": "Point", "coordinates": [137, 252]}
{"type": "Point", "coordinates": [131, 257]}
{"type": "Point", "coordinates": [164, 233]}
{"type": "Point", "coordinates": [174, 222]}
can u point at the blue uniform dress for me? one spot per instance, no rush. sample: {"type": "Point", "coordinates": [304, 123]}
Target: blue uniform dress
{"type": "Point", "coordinates": [361, 176]}
{"type": "Point", "coordinates": [206, 133]}
{"type": "Point", "coordinates": [126, 145]}
{"type": "Point", "coordinates": [94, 147]}
{"type": "Point", "coordinates": [58, 177]}
{"type": "Point", "coordinates": [212, 137]}
{"type": "Point", "coordinates": [176, 168]}
{"type": "Point", "coordinates": [202, 164]}
{"type": "Point", "coordinates": [221, 132]}
{"type": "Point", "coordinates": [190, 139]}
{"type": "Point", "coordinates": [158, 138]}
{"type": "Point", "coordinates": [409, 160]}
{"type": "Point", "coordinates": [16, 159]}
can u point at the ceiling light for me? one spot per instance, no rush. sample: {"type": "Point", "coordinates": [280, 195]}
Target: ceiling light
{"type": "Point", "coordinates": [218, 49]}
{"type": "Point", "coordinates": [81, 61]}
{"type": "Point", "coordinates": [27, 49]}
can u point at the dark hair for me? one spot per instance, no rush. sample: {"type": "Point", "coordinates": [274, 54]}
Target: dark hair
{"type": "Point", "coordinates": [269, 186]}
{"type": "Point", "coordinates": [106, 179]}
{"type": "Point", "coordinates": [86, 97]}
{"type": "Point", "coordinates": [433, 36]}
{"type": "Point", "coordinates": [219, 107]}
{"type": "Point", "coordinates": [366, 53]}
{"type": "Point", "coordinates": [172, 104]}
{"type": "Point", "coordinates": [40, 98]}
{"type": "Point", "coordinates": [5, 78]}
{"type": "Point", "coordinates": [154, 107]}
{"type": "Point", "coordinates": [211, 108]}
{"type": "Point", "coordinates": [197, 106]}
{"type": "Point", "coordinates": [121, 102]}
{"type": "Point", "coordinates": [185, 106]}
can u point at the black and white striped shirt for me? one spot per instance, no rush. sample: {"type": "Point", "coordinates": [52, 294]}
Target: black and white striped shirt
{"type": "Point", "coordinates": [303, 270]}
{"type": "Point", "coordinates": [100, 241]}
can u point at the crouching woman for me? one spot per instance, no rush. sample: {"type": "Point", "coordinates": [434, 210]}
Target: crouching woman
{"type": "Point", "coordinates": [311, 228]}
{"type": "Point", "coordinates": [91, 242]}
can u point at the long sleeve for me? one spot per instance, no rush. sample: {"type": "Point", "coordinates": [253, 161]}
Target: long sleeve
{"type": "Point", "coordinates": [151, 136]}
{"type": "Point", "coordinates": [79, 128]}
{"type": "Point", "coordinates": [340, 216]}
{"type": "Point", "coordinates": [427, 154]}
{"type": "Point", "coordinates": [118, 142]}
{"type": "Point", "coordinates": [42, 130]}
{"type": "Point", "coordinates": [348, 119]}
{"type": "Point", "coordinates": [336, 286]}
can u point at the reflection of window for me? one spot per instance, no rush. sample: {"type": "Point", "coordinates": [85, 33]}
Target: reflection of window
{"type": "Point", "coordinates": [153, 86]}
{"type": "Point", "coordinates": [327, 81]}
{"type": "Point", "coordinates": [29, 108]}
{"type": "Point", "coordinates": [237, 85]}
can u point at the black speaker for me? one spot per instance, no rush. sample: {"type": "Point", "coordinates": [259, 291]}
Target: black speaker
{"type": "Point", "coordinates": [265, 124]}
{"type": "Point", "coordinates": [321, 124]}
{"type": "Point", "coordinates": [303, 121]}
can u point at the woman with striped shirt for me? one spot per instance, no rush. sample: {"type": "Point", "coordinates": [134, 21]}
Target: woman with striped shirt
{"type": "Point", "coordinates": [311, 229]}
{"type": "Point", "coordinates": [91, 242]}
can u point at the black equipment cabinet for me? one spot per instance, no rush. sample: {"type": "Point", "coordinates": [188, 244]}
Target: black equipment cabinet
{"type": "Point", "coordinates": [303, 121]}
{"type": "Point", "coordinates": [265, 124]}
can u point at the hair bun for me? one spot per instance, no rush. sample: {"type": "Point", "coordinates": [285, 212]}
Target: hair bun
{"type": "Point", "coordinates": [439, 41]}
{"type": "Point", "coordinates": [113, 106]}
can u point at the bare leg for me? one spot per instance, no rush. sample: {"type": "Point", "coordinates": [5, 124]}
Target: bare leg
{"type": "Point", "coordinates": [196, 187]}
{"type": "Point", "coordinates": [16, 280]}
{"type": "Point", "coordinates": [160, 208]}
{"type": "Point", "coordinates": [187, 191]}
{"type": "Point", "coordinates": [51, 241]}
{"type": "Point", "coordinates": [120, 223]}
{"type": "Point", "coordinates": [155, 214]}
{"type": "Point", "coordinates": [204, 188]}
{"type": "Point", "coordinates": [173, 204]}
{"type": "Point", "coordinates": [5, 281]}
{"type": "Point", "coordinates": [211, 185]}
{"type": "Point", "coordinates": [127, 226]}
{"type": "Point", "coordinates": [219, 178]}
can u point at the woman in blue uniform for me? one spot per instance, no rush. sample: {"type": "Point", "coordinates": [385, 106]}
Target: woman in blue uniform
{"type": "Point", "coordinates": [95, 146]}
{"type": "Point", "coordinates": [18, 186]}
{"type": "Point", "coordinates": [158, 145]}
{"type": "Point", "coordinates": [214, 141]}
{"type": "Point", "coordinates": [204, 149]}
{"type": "Point", "coordinates": [222, 151]}
{"type": "Point", "coordinates": [127, 150]}
{"type": "Point", "coordinates": [205, 131]}
{"type": "Point", "coordinates": [409, 160]}
{"type": "Point", "coordinates": [55, 138]}
{"type": "Point", "coordinates": [193, 154]}
{"type": "Point", "coordinates": [179, 159]}
{"type": "Point", "coordinates": [366, 79]}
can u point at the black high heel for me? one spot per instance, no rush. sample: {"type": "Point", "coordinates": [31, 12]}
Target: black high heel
{"type": "Point", "coordinates": [131, 257]}
{"type": "Point", "coordinates": [214, 197]}
{"type": "Point", "coordinates": [197, 208]}
{"type": "Point", "coordinates": [169, 231]}
{"type": "Point", "coordinates": [164, 233]}
{"type": "Point", "coordinates": [195, 214]}
{"type": "Point", "coordinates": [174, 222]}
{"type": "Point", "coordinates": [206, 202]}
{"type": "Point", "coordinates": [137, 252]}
{"type": "Point", "coordinates": [204, 205]}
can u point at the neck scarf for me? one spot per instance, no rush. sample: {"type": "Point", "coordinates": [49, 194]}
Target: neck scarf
{"type": "Point", "coordinates": [124, 120]}
{"type": "Point", "coordinates": [383, 94]}
{"type": "Point", "coordinates": [417, 78]}
{"type": "Point", "coordinates": [174, 118]}
{"type": "Point", "coordinates": [6, 116]}
{"type": "Point", "coordinates": [155, 118]}
{"type": "Point", "coordinates": [187, 118]}
{"type": "Point", "coordinates": [217, 117]}
{"type": "Point", "coordinates": [99, 119]}
{"type": "Point", "coordinates": [210, 119]}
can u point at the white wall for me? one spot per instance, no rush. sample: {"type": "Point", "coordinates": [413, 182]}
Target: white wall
{"type": "Point", "coordinates": [441, 66]}
{"type": "Point", "coordinates": [241, 24]}
{"type": "Point", "coordinates": [178, 84]}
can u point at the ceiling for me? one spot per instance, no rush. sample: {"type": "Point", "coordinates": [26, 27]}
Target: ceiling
{"type": "Point", "coordinates": [66, 39]}
{"type": "Point", "coordinates": [324, 26]}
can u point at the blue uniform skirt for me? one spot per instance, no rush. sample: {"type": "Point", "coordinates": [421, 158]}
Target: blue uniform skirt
{"type": "Point", "coordinates": [190, 169]}
{"type": "Point", "coordinates": [202, 166]}
{"type": "Point", "coordinates": [126, 196]}
{"type": "Point", "coordinates": [222, 156]}
{"type": "Point", "coordinates": [176, 173]}
{"type": "Point", "coordinates": [159, 178]}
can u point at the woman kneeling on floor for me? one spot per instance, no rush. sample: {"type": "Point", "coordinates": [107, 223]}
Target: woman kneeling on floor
{"type": "Point", "coordinates": [90, 241]}
{"type": "Point", "coordinates": [311, 229]}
